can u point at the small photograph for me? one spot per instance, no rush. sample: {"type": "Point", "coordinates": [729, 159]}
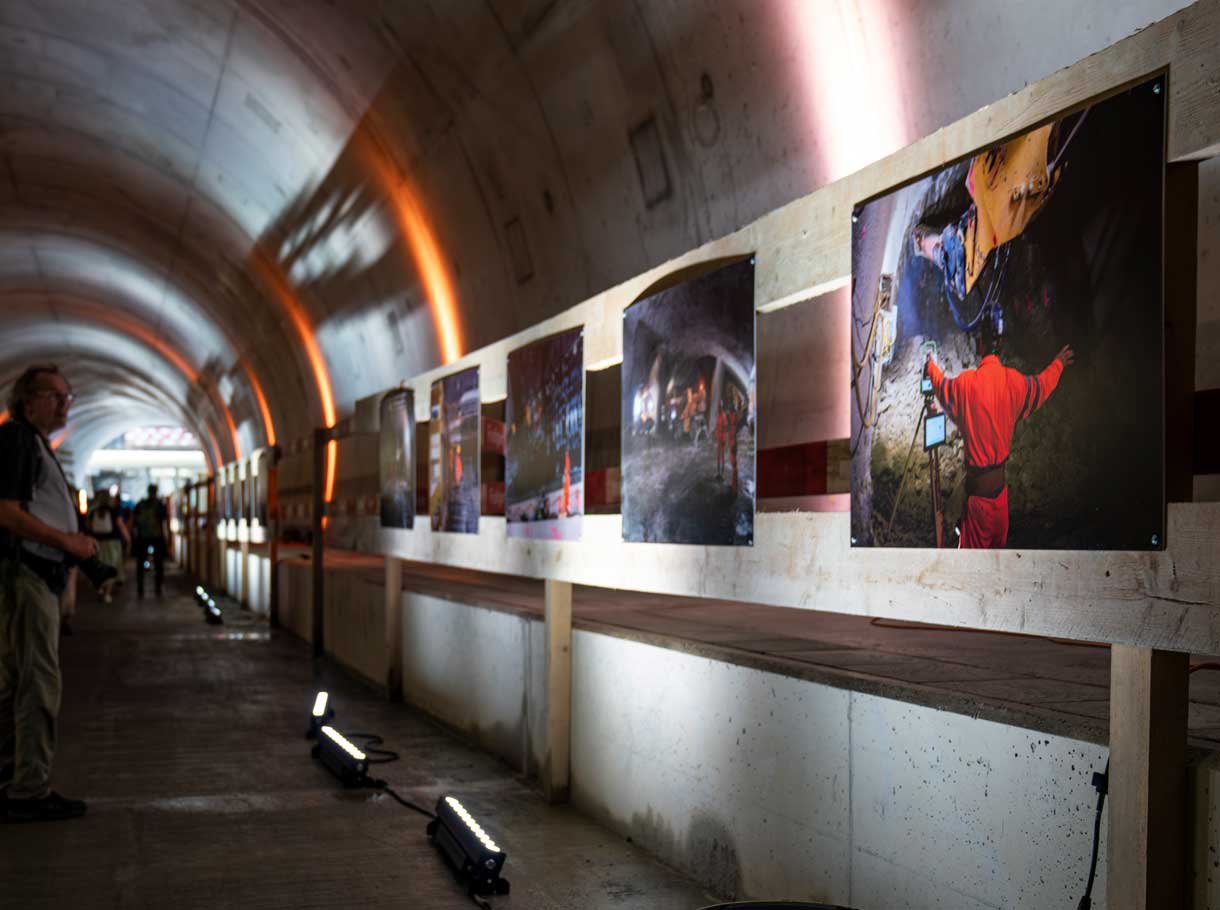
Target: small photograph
{"type": "Point", "coordinates": [453, 453]}
{"type": "Point", "coordinates": [1008, 342]}
{"type": "Point", "coordinates": [397, 459]}
{"type": "Point", "coordinates": [688, 412]}
{"type": "Point", "coordinates": [544, 417]}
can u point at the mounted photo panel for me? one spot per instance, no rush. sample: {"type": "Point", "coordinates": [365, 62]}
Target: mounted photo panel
{"type": "Point", "coordinates": [396, 457]}
{"type": "Point", "coordinates": [544, 424]}
{"type": "Point", "coordinates": [1007, 312]}
{"type": "Point", "coordinates": [453, 453]}
{"type": "Point", "coordinates": [688, 411]}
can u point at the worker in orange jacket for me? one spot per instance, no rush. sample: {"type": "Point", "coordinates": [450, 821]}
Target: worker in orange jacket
{"type": "Point", "coordinates": [985, 403]}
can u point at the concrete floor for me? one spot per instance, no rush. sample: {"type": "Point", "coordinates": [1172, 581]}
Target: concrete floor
{"type": "Point", "coordinates": [187, 742]}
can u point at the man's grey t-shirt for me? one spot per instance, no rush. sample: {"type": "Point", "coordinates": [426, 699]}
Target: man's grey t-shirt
{"type": "Point", "coordinates": [51, 503]}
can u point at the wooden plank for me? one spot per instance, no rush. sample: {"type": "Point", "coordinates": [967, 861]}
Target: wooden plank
{"type": "Point", "coordinates": [1163, 599]}
{"type": "Point", "coordinates": [557, 760]}
{"type": "Point", "coordinates": [1146, 847]}
{"type": "Point", "coordinates": [393, 628]}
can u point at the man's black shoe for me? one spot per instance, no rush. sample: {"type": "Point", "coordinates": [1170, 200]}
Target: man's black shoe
{"type": "Point", "coordinates": [49, 808]}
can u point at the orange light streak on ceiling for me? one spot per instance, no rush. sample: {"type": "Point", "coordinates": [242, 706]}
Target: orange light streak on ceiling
{"type": "Point", "coordinates": [275, 279]}
{"type": "Point", "coordinates": [150, 339]}
{"type": "Point", "coordinates": [425, 250]}
{"type": "Point", "coordinates": [332, 460]}
{"type": "Point", "coordinates": [263, 407]}
{"type": "Point", "coordinates": [3, 416]}
{"type": "Point", "coordinates": [59, 440]}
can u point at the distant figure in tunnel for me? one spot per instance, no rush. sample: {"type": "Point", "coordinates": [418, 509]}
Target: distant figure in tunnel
{"type": "Point", "coordinates": [149, 521]}
{"type": "Point", "coordinates": [106, 526]}
{"type": "Point", "coordinates": [985, 403]}
{"type": "Point", "coordinates": [39, 540]}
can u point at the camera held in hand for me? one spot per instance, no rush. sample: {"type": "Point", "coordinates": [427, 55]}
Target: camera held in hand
{"type": "Point", "coordinates": [95, 570]}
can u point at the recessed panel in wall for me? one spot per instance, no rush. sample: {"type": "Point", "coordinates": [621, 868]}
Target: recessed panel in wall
{"type": "Point", "coordinates": [396, 458]}
{"type": "Point", "coordinates": [453, 453]}
{"type": "Point", "coordinates": [1018, 293]}
{"type": "Point", "coordinates": [544, 418]}
{"type": "Point", "coordinates": [688, 406]}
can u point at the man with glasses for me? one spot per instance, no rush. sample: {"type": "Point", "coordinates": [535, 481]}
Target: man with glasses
{"type": "Point", "coordinates": [39, 540]}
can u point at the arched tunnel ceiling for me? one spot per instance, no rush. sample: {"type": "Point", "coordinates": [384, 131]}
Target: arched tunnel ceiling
{"type": "Point", "coordinates": [243, 215]}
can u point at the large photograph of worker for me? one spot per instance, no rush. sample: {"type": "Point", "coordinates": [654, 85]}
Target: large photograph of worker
{"type": "Point", "coordinates": [544, 421]}
{"type": "Point", "coordinates": [396, 457]}
{"type": "Point", "coordinates": [688, 412]}
{"type": "Point", "coordinates": [1007, 342]}
{"type": "Point", "coordinates": [453, 453]}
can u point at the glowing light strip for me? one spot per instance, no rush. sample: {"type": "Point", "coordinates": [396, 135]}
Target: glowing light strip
{"type": "Point", "coordinates": [332, 460]}
{"type": "Point", "coordinates": [82, 501]}
{"type": "Point", "coordinates": [263, 407]}
{"type": "Point", "coordinates": [3, 415]}
{"type": "Point", "coordinates": [341, 741]}
{"type": "Point", "coordinates": [167, 352]}
{"type": "Point", "coordinates": [273, 277]}
{"type": "Point", "coordinates": [319, 704]}
{"type": "Point", "coordinates": [483, 836]}
{"type": "Point", "coordinates": [425, 250]}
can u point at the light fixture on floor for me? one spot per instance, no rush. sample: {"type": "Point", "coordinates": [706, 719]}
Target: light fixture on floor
{"type": "Point", "coordinates": [341, 757]}
{"type": "Point", "coordinates": [477, 858]}
{"type": "Point", "coordinates": [212, 614]}
{"type": "Point", "coordinates": [322, 712]}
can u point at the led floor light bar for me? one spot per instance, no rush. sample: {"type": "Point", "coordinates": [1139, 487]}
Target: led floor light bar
{"type": "Point", "coordinates": [322, 712]}
{"type": "Point", "coordinates": [341, 757]}
{"type": "Point", "coordinates": [477, 858]}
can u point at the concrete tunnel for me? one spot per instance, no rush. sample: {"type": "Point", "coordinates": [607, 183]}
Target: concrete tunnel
{"type": "Point", "coordinates": [236, 225]}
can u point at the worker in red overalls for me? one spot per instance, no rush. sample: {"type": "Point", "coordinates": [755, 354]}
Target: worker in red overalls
{"type": "Point", "coordinates": [985, 403]}
{"type": "Point", "coordinates": [567, 485]}
{"type": "Point", "coordinates": [722, 440]}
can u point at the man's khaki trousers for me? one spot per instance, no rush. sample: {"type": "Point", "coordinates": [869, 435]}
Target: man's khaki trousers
{"type": "Point", "coordinates": [29, 681]}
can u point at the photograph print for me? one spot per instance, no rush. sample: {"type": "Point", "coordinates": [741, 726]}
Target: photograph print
{"type": "Point", "coordinates": [397, 459]}
{"type": "Point", "coordinates": [688, 412]}
{"type": "Point", "coordinates": [544, 420]}
{"type": "Point", "coordinates": [453, 453]}
{"type": "Point", "coordinates": [1007, 342]}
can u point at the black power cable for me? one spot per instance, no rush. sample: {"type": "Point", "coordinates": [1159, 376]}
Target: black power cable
{"type": "Point", "coordinates": [1101, 783]}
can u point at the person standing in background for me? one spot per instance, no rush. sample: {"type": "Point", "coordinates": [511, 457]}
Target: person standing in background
{"type": "Point", "coordinates": [150, 526]}
{"type": "Point", "coordinates": [105, 525]}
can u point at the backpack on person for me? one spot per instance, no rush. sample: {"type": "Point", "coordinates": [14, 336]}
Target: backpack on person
{"type": "Point", "coordinates": [147, 519]}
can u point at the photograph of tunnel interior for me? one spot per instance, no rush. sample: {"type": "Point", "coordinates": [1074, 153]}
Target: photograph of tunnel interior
{"type": "Point", "coordinates": [689, 420]}
{"type": "Point", "coordinates": [1018, 293]}
{"type": "Point", "coordinates": [397, 459]}
{"type": "Point", "coordinates": [453, 453]}
{"type": "Point", "coordinates": [702, 289]}
{"type": "Point", "coordinates": [545, 444]}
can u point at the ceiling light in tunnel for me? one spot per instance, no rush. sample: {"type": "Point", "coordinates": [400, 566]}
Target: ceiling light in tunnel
{"type": "Point", "coordinates": [425, 249]}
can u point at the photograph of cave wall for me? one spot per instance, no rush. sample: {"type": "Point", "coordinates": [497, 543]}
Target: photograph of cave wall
{"type": "Point", "coordinates": [396, 459]}
{"type": "Point", "coordinates": [453, 453]}
{"type": "Point", "coordinates": [688, 412]}
{"type": "Point", "coordinates": [544, 419]}
{"type": "Point", "coordinates": [1017, 293]}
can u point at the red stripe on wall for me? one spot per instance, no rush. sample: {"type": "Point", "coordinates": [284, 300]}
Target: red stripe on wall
{"type": "Point", "coordinates": [796, 470]}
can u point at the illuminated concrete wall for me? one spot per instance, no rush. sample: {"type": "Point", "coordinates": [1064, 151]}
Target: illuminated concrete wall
{"type": "Point", "coordinates": [762, 785]}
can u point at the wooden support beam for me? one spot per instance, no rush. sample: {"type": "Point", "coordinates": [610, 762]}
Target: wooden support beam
{"type": "Point", "coordinates": [273, 539]}
{"type": "Point", "coordinates": [393, 628]}
{"type": "Point", "coordinates": [321, 437]}
{"type": "Point", "coordinates": [556, 770]}
{"type": "Point", "coordinates": [1147, 841]}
